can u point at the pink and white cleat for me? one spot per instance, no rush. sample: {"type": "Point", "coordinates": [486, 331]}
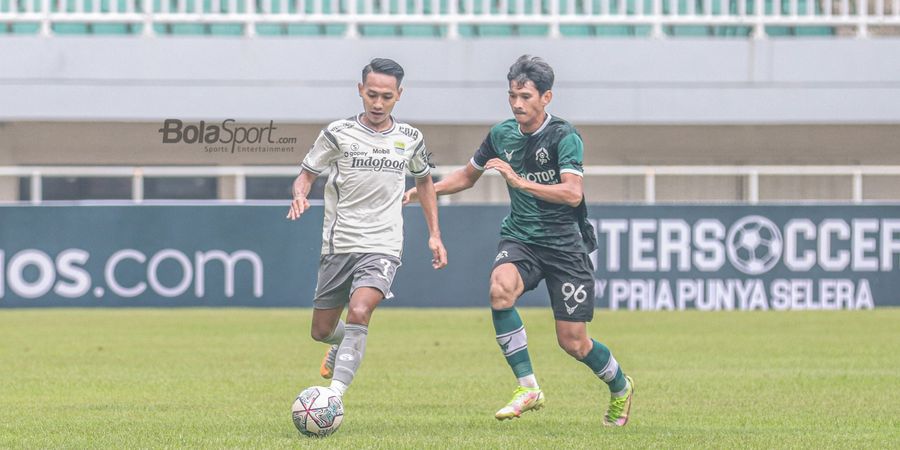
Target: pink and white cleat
{"type": "Point", "coordinates": [524, 399]}
{"type": "Point", "coordinates": [620, 407]}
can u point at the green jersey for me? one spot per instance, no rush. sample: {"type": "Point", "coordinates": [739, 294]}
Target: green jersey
{"type": "Point", "coordinates": [542, 157]}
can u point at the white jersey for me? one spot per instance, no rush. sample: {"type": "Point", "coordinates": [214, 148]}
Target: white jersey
{"type": "Point", "coordinates": [367, 178]}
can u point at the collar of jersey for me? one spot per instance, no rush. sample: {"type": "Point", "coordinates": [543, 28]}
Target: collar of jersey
{"type": "Point", "coordinates": [519, 127]}
{"type": "Point", "coordinates": [385, 132]}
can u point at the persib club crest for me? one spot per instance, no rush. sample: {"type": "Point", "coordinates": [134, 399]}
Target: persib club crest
{"type": "Point", "coordinates": [542, 156]}
{"type": "Point", "coordinates": [399, 147]}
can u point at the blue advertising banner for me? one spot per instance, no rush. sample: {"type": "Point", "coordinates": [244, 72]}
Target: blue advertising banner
{"type": "Point", "coordinates": [649, 257]}
{"type": "Point", "coordinates": [747, 257]}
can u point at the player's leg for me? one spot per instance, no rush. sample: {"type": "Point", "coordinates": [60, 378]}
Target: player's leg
{"type": "Point", "coordinates": [373, 275]}
{"type": "Point", "coordinates": [350, 353]}
{"type": "Point", "coordinates": [506, 287]}
{"type": "Point", "coordinates": [573, 338]}
{"type": "Point", "coordinates": [332, 292]}
{"type": "Point", "coordinates": [570, 283]}
{"type": "Point", "coordinates": [327, 327]}
{"type": "Point", "coordinates": [508, 281]}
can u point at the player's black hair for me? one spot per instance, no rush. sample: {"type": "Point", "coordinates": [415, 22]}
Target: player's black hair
{"type": "Point", "coordinates": [385, 66]}
{"type": "Point", "coordinates": [534, 69]}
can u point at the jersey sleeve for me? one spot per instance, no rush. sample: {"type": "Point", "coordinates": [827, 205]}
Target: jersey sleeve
{"type": "Point", "coordinates": [323, 152]}
{"type": "Point", "coordinates": [485, 152]}
{"type": "Point", "coordinates": [571, 155]}
{"type": "Point", "coordinates": [418, 163]}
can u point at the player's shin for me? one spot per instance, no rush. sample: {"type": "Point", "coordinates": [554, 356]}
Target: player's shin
{"type": "Point", "coordinates": [605, 366]}
{"type": "Point", "coordinates": [336, 336]}
{"type": "Point", "coordinates": [514, 344]}
{"type": "Point", "coordinates": [349, 356]}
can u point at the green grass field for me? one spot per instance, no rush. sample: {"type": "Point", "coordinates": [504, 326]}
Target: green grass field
{"type": "Point", "coordinates": [225, 378]}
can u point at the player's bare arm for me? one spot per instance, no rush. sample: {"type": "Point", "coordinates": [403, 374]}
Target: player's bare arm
{"type": "Point", "coordinates": [568, 192]}
{"type": "Point", "coordinates": [425, 186]}
{"type": "Point", "coordinates": [458, 180]}
{"type": "Point", "coordinates": [301, 187]}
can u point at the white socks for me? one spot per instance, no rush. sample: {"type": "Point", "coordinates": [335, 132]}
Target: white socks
{"type": "Point", "coordinates": [529, 381]}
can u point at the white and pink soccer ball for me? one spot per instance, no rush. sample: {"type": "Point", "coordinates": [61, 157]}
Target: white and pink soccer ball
{"type": "Point", "coordinates": [318, 411]}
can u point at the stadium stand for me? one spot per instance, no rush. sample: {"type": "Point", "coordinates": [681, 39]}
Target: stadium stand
{"type": "Point", "coordinates": [444, 18]}
{"type": "Point", "coordinates": [667, 137]}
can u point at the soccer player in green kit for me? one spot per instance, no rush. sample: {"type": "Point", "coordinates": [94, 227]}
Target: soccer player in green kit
{"type": "Point", "coordinates": [545, 236]}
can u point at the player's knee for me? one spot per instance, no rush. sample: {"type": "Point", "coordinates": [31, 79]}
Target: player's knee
{"type": "Point", "coordinates": [359, 314]}
{"type": "Point", "coordinates": [320, 333]}
{"type": "Point", "coordinates": [502, 295]}
{"type": "Point", "coordinates": [576, 348]}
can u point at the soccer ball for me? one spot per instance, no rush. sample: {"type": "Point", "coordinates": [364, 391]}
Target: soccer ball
{"type": "Point", "coordinates": [755, 245]}
{"type": "Point", "coordinates": [318, 411]}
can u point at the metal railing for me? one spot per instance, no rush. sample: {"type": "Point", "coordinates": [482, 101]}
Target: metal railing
{"type": "Point", "coordinates": [858, 15]}
{"type": "Point", "coordinates": [649, 174]}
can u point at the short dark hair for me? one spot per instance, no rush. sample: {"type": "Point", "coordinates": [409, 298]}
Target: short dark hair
{"type": "Point", "coordinates": [385, 66]}
{"type": "Point", "coordinates": [534, 69]}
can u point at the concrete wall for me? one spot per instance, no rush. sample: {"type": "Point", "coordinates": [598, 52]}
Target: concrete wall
{"type": "Point", "coordinates": [600, 81]}
{"type": "Point", "coordinates": [9, 186]}
{"type": "Point", "coordinates": [680, 101]}
{"type": "Point", "coordinates": [124, 143]}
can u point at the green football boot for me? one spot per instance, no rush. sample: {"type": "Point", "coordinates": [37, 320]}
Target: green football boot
{"type": "Point", "coordinates": [524, 399]}
{"type": "Point", "coordinates": [620, 407]}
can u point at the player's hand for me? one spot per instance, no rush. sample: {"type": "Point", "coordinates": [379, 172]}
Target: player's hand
{"type": "Point", "coordinates": [412, 195]}
{"type": "Point", "coordinates": [438, 252]}
{"type": "Point", "coordinates": [298, 207]}
{"type": "Point", "coordinates": [506, 171]}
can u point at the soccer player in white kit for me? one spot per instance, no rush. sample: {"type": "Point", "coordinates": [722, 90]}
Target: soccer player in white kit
{"type": "Point", "coordinates": [362, 238]}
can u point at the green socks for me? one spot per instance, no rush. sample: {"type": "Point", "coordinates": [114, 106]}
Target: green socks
{"type": "Point", "coordinates": [512, 340]}
{"type": "Point", "coordinates": [605, 366]}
